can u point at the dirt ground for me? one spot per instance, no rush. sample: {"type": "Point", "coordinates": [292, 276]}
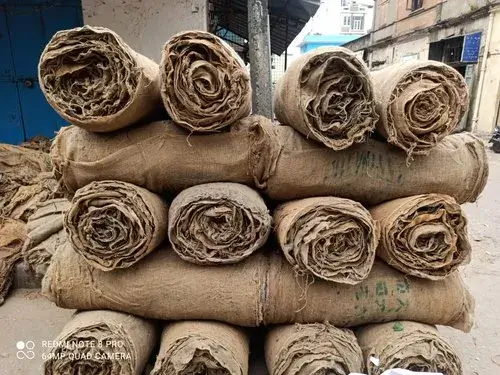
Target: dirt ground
{"type": "Point", "coordinates": [27, 316]}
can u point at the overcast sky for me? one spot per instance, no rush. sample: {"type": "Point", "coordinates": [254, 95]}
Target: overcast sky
{"type": "Point", "coordinates": [326, 21]}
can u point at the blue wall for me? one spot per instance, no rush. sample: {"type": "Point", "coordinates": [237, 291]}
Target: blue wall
{"type": "Point", "coordinates": [26, 26]}
{"type": "Point", "coordinates": [311, 42]}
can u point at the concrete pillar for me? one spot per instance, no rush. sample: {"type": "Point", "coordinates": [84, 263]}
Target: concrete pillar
{"type": "Point", "coordinates": [146, 25]}
{"type": "Point", "coordinates": [260, 57]}
{"type": "Point", "coordinates": [486, 106]}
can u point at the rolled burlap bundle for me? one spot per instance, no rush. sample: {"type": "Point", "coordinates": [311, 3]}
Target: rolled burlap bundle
{"type": "Point", "coordinates": [162, 157]}
{"type": "Point", "coordinates": [45, 233]}
{"type": "Point", "coordinates": [101, 343]}
{"type": "Point", "coordinates": [205, 86]}
{"type": "Point", "coordinates": [195, 347]}
{"type": "Point", "coordinates": [385, 295]}
{"type": "Point", "coordinates": [114, 224]}
{"type": "Point", "coordinates": [407, 345]}
{"type": "Point", "coordinates": [258, 290]}
{"type": "Point", "coordinates": [304, 349]}
{"type": "Point", "coordinates": [94, 80]}
{"type": "Point", "coordinates": [331, 238]}
{"type": "Point", "coordinates": [170, 288]}
{"type": "Point", "coordinates": [423, 235]}
{"type": "Point", "coordinates": [218, 223]}
{"type": "Point", "coordinates": [327, 95]}
{"type": "Point", "coordinates": [419, 102]}
{"type": "Point", "coordinates": [457, 166]}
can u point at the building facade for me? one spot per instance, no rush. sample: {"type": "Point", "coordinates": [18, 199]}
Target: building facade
{"type": "Point", "coordinates": [335, 23]}
{"type": "Point", "coordinates": [355, 16]}
{"type": "Point", "coordinates": [463, 34]}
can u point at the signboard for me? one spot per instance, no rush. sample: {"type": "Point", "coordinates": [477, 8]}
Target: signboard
{"type": "Point", "coordinates": [409, 57]}
{"type": "Point", "coordinates": [471, 47]}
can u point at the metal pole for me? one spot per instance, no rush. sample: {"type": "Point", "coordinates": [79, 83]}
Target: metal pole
{"type": "Point", "coordinates": [286, 42]}
{"type": "Point", "coordinates": [372, 35]}
{"type": "Point", "coordinates": [260, 57]}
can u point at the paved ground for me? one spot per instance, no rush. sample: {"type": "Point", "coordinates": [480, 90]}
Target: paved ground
{"type": "Point", "coordinates": [27, 316]}
{"type": "Point", "coordinates": [480, 349]}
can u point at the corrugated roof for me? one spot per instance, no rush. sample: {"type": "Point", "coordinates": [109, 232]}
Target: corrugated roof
{"type": "Point", "coordinates": [232, 15]}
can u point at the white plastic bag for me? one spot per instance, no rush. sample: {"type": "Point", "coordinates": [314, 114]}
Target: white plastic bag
{"type": "Point", "coordinates": [403, 372]}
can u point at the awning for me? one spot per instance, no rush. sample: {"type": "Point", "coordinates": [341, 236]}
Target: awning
{"type": "Point", "coordinates": [287, 18]}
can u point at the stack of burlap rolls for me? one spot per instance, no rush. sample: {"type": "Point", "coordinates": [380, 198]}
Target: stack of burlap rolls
{"type": "Point", "coordinates": [361, 231]}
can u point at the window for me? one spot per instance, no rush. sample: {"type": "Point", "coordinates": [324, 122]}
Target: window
{"type": "Point", "coordinates": [346, 20]}
{"type": "Point", "coordinates": [452, 49]}
{"type": "Point", "coordinates": [415, 4]}
{"type": "Point", "coordinates": [447, 50]}
{"type": "Point", "coordinates": [358, 23]}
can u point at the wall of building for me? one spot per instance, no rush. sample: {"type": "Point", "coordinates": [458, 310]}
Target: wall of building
{"type": "Point", "coordinates": [394, 18]}
{"type": "Point", "coordinates": [387, 11]}
{"type": "Point", "coordinates": [417, 49]}
{"type": "Point", "coordinates": [358, 44]}
{"type": "Point", "coordinates": [489, 96]}
{"type": "Point", "coordinates": [382, 57]}
{"type": "Point", "coordinates": [404, 11]}
{"type": "Point", "coordinates": [416, 20]}
{"type": "Point", "coordinates": [384, 32]}
{"type": "Point", "coordinates": [413, 50]}
{"type": "Point", "coordinates": [146, 25]}
{"type": "Point", "coordinates": [399, 39]}
{"type": "Point", "coordinates": [470, 26]}
{"type": "Point", "coordinates": [457, 8]}
{"type": "Point", "coordinates": [385, 19]}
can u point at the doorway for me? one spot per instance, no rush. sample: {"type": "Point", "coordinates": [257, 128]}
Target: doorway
{"type": "Point", "coordinates": [26, 26]}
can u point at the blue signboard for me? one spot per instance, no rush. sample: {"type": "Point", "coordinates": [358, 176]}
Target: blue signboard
{"type": "Point", "coordinates": [472, 45]}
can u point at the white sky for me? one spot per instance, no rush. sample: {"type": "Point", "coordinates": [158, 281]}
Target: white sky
{"type": "Point", "coordinates": [327, 21]}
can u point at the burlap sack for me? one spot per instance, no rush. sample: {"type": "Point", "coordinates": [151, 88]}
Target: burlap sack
{"type": "Point", "coordinates": [423, 235]}
{"type": "Point", "coordinates": [101, 343]}
{"type": "Point", "coordinates": [407, 345]}
{"type": "Point", "coordinates": [93, 79]}
{"type": "Point", "coordinates": [258, 290]}
{"type": "Point", "coordinates": [39, 143]}
{"type": "Point", "coordinates": [327, 95]}
{"type": "Point", "coordinates": [205, 86]}
{"type": "Point", "coordinates": [19, 179]}
{"type": "Point", "coordinates": [12, 238]}
{"type": "Point", "coordinates": [305, 349]}
{"type": "Point", "coordinates": [372, 173]}
{"type": "Point", "coordinates": [22, 164]}
{"type": "Point", "coordinates": [419, 102]}
{"type": "Point", "coordinates": [218, 223]}
{"type": "Point", "coordinates": [24, 202]}
{"type": "Point", "coordinates": [195, 347]}
{"type": "Point", "coordinates": [162, 157]}
{"type": "Point", "coordinates": [331, 238]}
{"type": "Point", "coordinates": [114, 224]}
{"type": "Point", "coordinates": [45, 234]}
